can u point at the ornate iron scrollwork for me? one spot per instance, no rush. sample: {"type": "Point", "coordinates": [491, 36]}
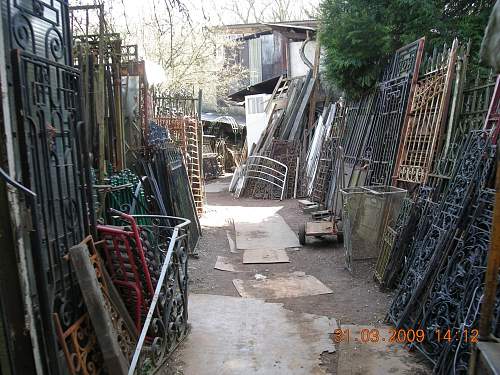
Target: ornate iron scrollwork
{"type": "Point", "coordinates": [46, 133]}
{"type": "Point", "coordinates": [454, 299]}
{"type": "Point", "coordinates": [428, 250]}
{"type": "Point", "coordinates": [166, 323]}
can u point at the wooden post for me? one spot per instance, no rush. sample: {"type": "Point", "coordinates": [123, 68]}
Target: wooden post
{"type": "Point", "coordinates": [101, 98]}
{"type": "Point", "coordinates": [493, 265]}
{"type": "Point", "coordinates": [120, 134]}
{"type": "Point", "coordinates": [200, 140]}
{"type": "Point", "coordinates": [114, 359]}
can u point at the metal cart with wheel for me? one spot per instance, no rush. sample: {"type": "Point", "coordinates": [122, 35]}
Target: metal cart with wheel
{"type": "Point", "coordinates": [319, 229]}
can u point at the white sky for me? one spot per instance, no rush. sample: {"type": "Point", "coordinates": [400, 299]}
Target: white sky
{"type": "Point", "coordinates": [207, 12]}
{"type": "Point", "coordinates": [132, 15]}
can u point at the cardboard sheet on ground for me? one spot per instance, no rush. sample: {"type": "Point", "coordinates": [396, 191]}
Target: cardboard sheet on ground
{"type": "Point", "coordinates": [260, 256]}
{"type": "Point", "coordinates": [239, 336]}
{"type": "Point", "coordinates": [224, 264]}
{"type": "Point", "coordinates": [291, 285]}
{"type": "Point", "coordinates": [263, 227]}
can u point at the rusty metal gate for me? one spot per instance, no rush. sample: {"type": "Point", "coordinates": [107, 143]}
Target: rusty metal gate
{"type": "Point", "coordinates": [426, 116]}
{"type": "Point", "coordinates": [46, 139]}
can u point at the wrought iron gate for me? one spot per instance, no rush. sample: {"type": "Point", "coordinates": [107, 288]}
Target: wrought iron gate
{"type": "Point", "coordinates": [47, 104]}
{"type": "Point", "coordinates": [426, 116]}
{"type": "Point", "coordinates": [394, 91]}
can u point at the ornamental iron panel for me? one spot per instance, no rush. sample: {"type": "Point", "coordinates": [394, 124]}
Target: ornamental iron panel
{"type": "Point", "coordinates": [426, 116]}
{"type": "Point", "coordinates": [396, 88]}
{"type": "Point", "coordinates": [47, 101]}
{"type": "Point", "coordinates": [454, 298]}
{"type": "Point", "coordinates": [473, 100]}
{"type": "Point", "coordinates": [47, 142]}
{"type": "Point", "coordinates": [429, 248]}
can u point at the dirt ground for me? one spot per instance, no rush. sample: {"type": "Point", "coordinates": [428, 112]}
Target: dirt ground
{"type": "Point", "coordinates": [356, 299]}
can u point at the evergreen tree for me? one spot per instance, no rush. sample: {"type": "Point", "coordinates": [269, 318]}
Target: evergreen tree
{"type": "Point", "coordinates": [359, 35]}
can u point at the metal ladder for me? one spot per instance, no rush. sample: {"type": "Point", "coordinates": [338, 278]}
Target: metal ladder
{"type": "Point", "coordinates": [191, 131]}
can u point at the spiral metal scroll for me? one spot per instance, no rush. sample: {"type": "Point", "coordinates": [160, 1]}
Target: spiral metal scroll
{"type": "Point", "coordinates": [447, 217]}
{"type": "Point", "coordinates": [166, 324]}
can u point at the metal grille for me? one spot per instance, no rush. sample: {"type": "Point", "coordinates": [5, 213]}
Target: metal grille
{"type": "Point", "coordinates": [358, 118]}
{"type": "Point", "coordinates": [428, 250]}
{"type": "Point", "coordinates": [382, 142]}
{"type": "Point", "coordinates": [391, 234]}
{"type": "Point", "coordinates": [426, 116]}
{"type": "Point", "coordinates": [455, 295]}
{"type": "Point", "coordinates": [396, 88]}
{"type": "Point", "coordinates": [47, 104]}
{"type": "Point", "coordinates": [167, 181]}
{"type": "Point", "coordinates": [473, 102]}
{"type": "Point", "coordinates": [48, 119]}
{"type": "Point", "coordinates": [324, 172]}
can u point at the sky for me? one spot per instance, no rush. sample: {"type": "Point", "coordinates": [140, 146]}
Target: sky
{"type": "Point", "coordinates": [206, 12]}
{"type": "Point", "coordinates": [130, 17]}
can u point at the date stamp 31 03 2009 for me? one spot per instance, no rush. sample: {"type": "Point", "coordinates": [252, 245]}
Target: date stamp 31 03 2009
{"type": "Point", "coordinates": [404, 336]}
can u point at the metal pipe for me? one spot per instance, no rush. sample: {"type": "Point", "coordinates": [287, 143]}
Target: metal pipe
{"type": "Point", "coordinates": [296, 178]}
{"type": "Point", "coordinates": [16, 184]}
{"type": "Point", "coordinates": [303, 55]}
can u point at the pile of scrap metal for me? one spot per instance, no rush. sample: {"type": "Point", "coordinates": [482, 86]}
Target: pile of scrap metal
{"type": "Point", "coordinates": [414, 158]}
{"type": "Point", "coordinates": [212, 165]}
{"type": "Point", "coordinates": [134, 278]}
{"type": "Point", "coordinates": [429, 128]}
{"type": "Point", "coordinates": [103, 277]}
{"type": "Point", "coordinates": [473, 107]}
{"type": "Point", "coordinates": [149, 228]}
{"type": "Point", "coordinates": [114, 90]}
{"type": "Point", "coordinates": [292, 114]}
{"type": "Point", "coordinates": [436, 254]}
{"type": "Point", "coordinates": [442, 281]}
{"type": "Point", "coordinates": [178, 115]}
{"type": "Point", "coordinates": [223, 148]}
{"type": "Point", "coordinates": [219, 156]}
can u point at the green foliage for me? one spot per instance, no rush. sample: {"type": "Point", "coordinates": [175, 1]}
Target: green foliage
{"type": "Point", "coordinates": [359, 35]}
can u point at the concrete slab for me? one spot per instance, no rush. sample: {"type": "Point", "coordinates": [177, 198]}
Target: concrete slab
{"type": "Point", "coordinates": [216, 187]}
{"type": "Point", "coordinates": [236, 336]}
{"type": "Point", "coordinates": [291, 285]}
{"type": "Point", "coordinates": [260, 256]}
{"type": "Point", "coordinates": [304, 202]}
{"type": "Point", "coordinates": [224, 264]}
{"type": "Point", "coordinates": [310, 208]}
{"type": "Point", "coordinates": [320, 214]}
{"type": "Point", "coordinates": [375, 358]}
{"type": "Point", "coordinates": [260, 227]}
